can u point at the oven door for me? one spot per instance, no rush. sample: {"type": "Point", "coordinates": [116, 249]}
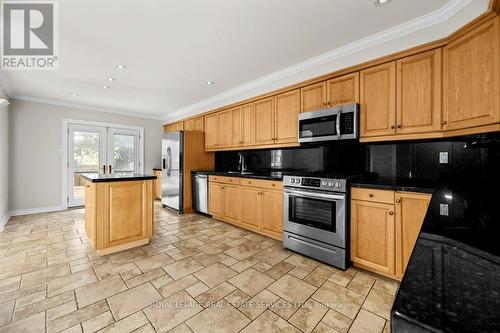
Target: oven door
{"type": "Point", "coordinates": [315, 214]}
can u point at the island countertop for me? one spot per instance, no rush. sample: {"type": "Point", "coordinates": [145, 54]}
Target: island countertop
{"type": "Point", "coordinates": [116, 177]}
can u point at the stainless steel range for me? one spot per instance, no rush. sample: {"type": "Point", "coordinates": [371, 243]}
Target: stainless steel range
{"type": "Point", "coordinates": [315, 216]}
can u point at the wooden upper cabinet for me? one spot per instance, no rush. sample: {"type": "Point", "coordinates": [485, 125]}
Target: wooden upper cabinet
{"type": "Point", "coordinates": [179, 126]}
{"type": "Point", "coordinates": [272, 213]}
{"type": "Point", "coordinates": [194, 124]}
{"type": "Point", "coordinates": [264, 121]}
{"type": "Point", "coordinates": [224, 124]}
{"type": "Point", "coordinates": [236, 127]}
{"type": "Point", "coordinates": [410, 213]}
{"type": "Point", "coordinates": [211, 131]}
{"type": "Point", "coordinates": [248, 130]}
{"type": "Point", "coordinates": [378, 100]}
{"type": "Point", "coordinates": [419, 93]}
{"type": "Point", "coordinates": [343, 90]}
{"type": "Point", "coordinates": [286, 116]}
{"type": "Point", "coordinates": [313, 97]}
{"type": "Point", "coordinates": [372, 235]}
{"type": "Point", "coordinates": [471, 69]}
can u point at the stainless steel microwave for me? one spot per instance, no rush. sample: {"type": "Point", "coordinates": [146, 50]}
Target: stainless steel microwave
{"type": "Point", "coordinates": [338, 123]}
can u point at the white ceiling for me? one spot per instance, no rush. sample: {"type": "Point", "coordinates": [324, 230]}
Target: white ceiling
{"type": "Point", "coordinates": [172, 48]}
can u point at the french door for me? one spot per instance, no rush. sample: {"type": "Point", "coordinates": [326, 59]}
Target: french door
{"type": "Point", "coordinates": [99, 150]}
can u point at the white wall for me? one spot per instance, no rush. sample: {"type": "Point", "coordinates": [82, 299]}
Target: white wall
{"type": "Point", "coordinates": [36, 151]}
{"type": "Point", "coordinates": [4, 161]}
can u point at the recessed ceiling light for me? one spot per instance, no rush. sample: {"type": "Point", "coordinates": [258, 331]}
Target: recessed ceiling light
{"type": "Point", "coordinates": [75, 94]}
{"type": "Point", "coordinates": [157, 108]}
{"type": "Point", "coordinates": [111, 79]}
{"type": "Point", "coordinates": [381, 2]}
{"type": "Point", "coordinates": [106, 87]}
{"type": "Point", "coordinates": [210, 83]}
{"type": "Point", "coordinates": [120, 66]}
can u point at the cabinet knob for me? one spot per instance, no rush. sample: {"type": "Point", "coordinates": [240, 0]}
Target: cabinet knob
{"type": "Point", "coordinates": [399, 126]}
{"type": "Point", "coordinates": [398, 201]}
{"type": "Point", "coordinates": [391, 213]}
{"type": "Point", "coordinates": [444, 122]}
{"type": "Point", "coordinates": [392, 127]}
{"type": "Point", "coordinates": [370, 195]}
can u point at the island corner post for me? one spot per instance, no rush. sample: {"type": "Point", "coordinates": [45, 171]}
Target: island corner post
{"type": "Point", "coordinates": [119, 211]}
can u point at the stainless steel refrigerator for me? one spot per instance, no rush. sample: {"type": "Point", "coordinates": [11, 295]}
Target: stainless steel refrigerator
{"type": "Point", "coordinates": [172, 173]}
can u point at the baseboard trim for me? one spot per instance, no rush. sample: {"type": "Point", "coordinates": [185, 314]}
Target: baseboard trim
{"type": "Point", "coordinates": [4, 219]}
{"type": "Point", "coordinates": [38, 210]}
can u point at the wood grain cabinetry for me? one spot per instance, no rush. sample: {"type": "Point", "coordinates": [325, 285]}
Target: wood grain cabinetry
{"type": "Point", "coordinates": [264, 121]}
{"type": "Point", "coordinates": [157, 184]}
{"type": "Point", "coordinates": [194, 124]}
{"type": "Point", "coordinates": [384, 228]}
{"type": "Point", "coordinates": [313, 97]}
{"type": "Point", "coordinates": [118, 215]}
{"type": "Point", "coordinates": [224, 128]}
{"type": "Point", "coordinates": [248, 124]}
{"type": "Point", "coordinates": [378, 100]}
{"type": "Point", "coordinates": [253, 204]}
{"type": "Point", "coordinates": [179, 126]}
{"type": "Point", "coordinates": [285, 118]}
{"type": "Point", "coordinates": [419, 93]}
{"type": "Point", "coordinates": [472, 78]}
{"type": "Point", "coordinates": [343, 90]}
{"type": "Point", "coordinates": [236, 127]}
{"type": "Point", "coordinates": [211, 131]}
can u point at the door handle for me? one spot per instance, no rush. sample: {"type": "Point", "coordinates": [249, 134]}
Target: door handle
{"type": "Point", "coordinates": [110, 169]}
{"type": "Point", "coordinates": [104, 169]}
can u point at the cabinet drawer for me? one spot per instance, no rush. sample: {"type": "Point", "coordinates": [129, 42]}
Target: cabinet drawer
{"type": "Point", "coordinates": [224, 180]}
{"type": "Point", "coordinates": [368, 194]}
{"type": "Point", "coordinates": [262, 183]}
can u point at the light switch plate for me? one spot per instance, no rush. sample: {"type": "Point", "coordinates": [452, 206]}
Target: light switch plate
{"type": "Point", "coordinates": [443, 209]}
{"type": "Point", "coordinates": [443, 157]}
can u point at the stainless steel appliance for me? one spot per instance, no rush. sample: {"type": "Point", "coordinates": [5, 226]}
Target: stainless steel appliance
{"type": "Point", "coordinates": [200, 192]}
{"type": "Point", "coordinates": [338, 123]}
{"type": "Point", "coordinates": [315, 215]}
{"type": "Point", "coordinates": [172, 173]}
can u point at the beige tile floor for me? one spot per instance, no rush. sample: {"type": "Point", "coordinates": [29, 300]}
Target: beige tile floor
{"type": "Point", "coordinates": [197, 275]}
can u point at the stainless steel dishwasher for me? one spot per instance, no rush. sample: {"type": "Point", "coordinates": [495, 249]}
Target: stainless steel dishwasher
{"type": "Point", "coordinates": [200, 192]}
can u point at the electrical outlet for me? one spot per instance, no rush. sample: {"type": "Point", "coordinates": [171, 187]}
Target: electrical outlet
{"type": "Point", "coordinates": [443, 157]}
{"type": "Point", "coordinates": [443, 210]}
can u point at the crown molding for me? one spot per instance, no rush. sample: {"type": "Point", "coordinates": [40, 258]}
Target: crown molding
{"type": "Point", "coordinates": [83, 107]}
{"type": "Point", "coordinates": [438, 16]}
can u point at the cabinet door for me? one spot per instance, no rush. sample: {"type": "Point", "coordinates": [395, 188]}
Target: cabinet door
{"type": "Point", "coordinates": [410, 214]}
{"type": "Point", "coordinates": [211, 130]}
{"type": "Point", "coordinates": [198, 124]}
{"type": "Point", "coordinates": [215, 199]}
{"type": "Point", "coordinates": [378, 100]}
{"type": "Point", "coordinates": [224, 128]}
{"type": "Point", "coordinates": [236, 127]}
{"type": "Point", "coordinates": [419, 93]}
{"type": "Point", "coordinates": [313, 97]}
{"type": "Point", "coordinates": [251, 207]}
{"type": "Point", "coordinates": [343, 90]}
{"type": "Point", "coordinates": [126, 214]}
{"type": "Point", "coordinates": [272, 213]}
{"type": "Point", "coordinates": [174, 127]}
{"type": "Point", "coordinates": [248, 115]}
{"type": "Point", "coordinates": [232, 203]}
{"type": "Point", "coordinates": [372, 235]}
{"type": "Point", "coordinates": [264, 121]}
{"type": "Point", "coordinates": [189, 125]}
{"type": "Point", "coordinates": [286, 116]}
{"type": "Point", "coordinates": [471, 69]}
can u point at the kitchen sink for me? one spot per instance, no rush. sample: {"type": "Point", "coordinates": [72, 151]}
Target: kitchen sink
{"type": "Point", "coordinates": [239, 173]}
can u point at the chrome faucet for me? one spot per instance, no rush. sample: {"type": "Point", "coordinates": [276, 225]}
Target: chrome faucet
{"type": "Point", "coordinates": [242, 165]}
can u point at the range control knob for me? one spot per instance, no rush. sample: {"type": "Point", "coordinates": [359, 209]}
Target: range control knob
{"type": "Point", "coordinates": [292, 180]}
{"type": "Point", "coordinates": [330, 184]}
{"type": "Point", "coordinates": [297, 180]}
{"type": "Point", "coordinates": [337, 184]}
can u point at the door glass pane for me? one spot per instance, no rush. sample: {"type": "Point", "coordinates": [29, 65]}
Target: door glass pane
{"type": "Point", "coordinates": [124, 153]}
{"type": "Point", "coordinates": [86, 159]}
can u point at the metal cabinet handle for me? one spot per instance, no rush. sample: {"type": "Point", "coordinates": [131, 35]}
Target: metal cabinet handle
{"type": "Point", "coordinates": [391, 213]}
{"type": "Point", "coordinates": [370, 195]}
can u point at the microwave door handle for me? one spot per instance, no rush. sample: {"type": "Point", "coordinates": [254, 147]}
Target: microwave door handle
{"type": "Point", "coordinates": [339, 113]}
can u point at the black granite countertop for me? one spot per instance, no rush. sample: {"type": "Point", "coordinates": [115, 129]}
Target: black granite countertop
{"type": "Point", "coordinates": [395, 184]}
{"type": "Point", "coordinates": [452, 282]}
{"type": "Point", "coordinates": [257, 175]}
{"type": "Point", "coordinates": [116, 177]}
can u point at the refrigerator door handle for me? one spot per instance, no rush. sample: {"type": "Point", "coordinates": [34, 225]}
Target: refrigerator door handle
{"type": "Point", "coordinates": [169, 161]}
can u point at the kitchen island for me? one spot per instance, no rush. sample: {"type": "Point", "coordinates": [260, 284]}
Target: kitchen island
{"type": "Point", "coordinates": [118, 211]}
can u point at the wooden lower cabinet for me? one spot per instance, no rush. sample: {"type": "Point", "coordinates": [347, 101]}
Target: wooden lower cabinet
{"type": "Point", "coordinates": [256, 205]}
{"type": "Point", "coordinates": [383, 234]}
{"type": "Point", "coordinates": [157, 185]}
{"type": "Point", "coordinates": [118, 215]}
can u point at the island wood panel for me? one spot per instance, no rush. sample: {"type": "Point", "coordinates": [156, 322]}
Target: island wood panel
{"type": "Point", "coordinates": [419, 93]}
{"type": "Point", "coordinates": [378, 100]}
{"type": "Point", "coordinates": [343, 90]}
{"type": "Point", "coordinates": [195, 159]}
{"type": "Point", "coordinates": [264, 121]}
{"type": "Point", "coordinates": [472, 78]}
{"type": "Point", "coordinates": [157, 184]}
{"type": "Point", "coordinates": [287, 109]}
{"type": "Point", "coordinates": [410, 213]}
{"type": "Point", "coordinates": [313, 97]}
{"type": "Point", "coordinates": [372, 236]}
{"type": "Point", "coordinates": [90, 212]}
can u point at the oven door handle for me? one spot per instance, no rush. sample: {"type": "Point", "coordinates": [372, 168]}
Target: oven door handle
{"type": "Point", "coordinates": [316, 195]}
